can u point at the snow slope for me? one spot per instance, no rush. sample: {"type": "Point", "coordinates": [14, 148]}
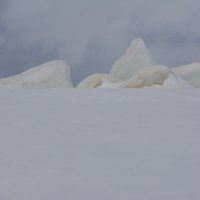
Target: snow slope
{"type": "Point", "coordinates": [99, 144]}
{"type": "Point", "coordinates": [52, 74]}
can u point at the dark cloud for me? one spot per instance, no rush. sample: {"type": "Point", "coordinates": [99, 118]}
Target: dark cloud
{"type": "Point", "coordinates": [90, 35]}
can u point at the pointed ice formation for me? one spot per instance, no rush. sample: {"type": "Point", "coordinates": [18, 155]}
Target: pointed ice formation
{"type": "Point", "coordinates": [136, 58]}
{"type": "Point", "coordinates": [135, 69]}
{"type": "Point", "coordinates": [49, 75]}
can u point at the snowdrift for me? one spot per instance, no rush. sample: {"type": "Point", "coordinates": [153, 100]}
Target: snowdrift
{"type": "Point", "coordinates": [49, 75]}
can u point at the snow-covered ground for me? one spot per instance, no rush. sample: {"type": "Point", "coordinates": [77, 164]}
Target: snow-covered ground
{"type": "Point", "coordinates": [105, 144]}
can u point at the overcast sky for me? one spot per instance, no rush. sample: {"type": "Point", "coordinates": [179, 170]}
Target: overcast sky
{"type": "Point", "coordinates": [90, 35]}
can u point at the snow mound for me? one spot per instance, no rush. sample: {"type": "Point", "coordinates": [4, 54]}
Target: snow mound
{"type": "Point", "coordinates": [137, 57]}
{"type": "Point", "coordinates": [95, 81]}
{"type": "Point", "coordinates": [190, 73]}
{"type": "Point", "coordinates": [49, 75]}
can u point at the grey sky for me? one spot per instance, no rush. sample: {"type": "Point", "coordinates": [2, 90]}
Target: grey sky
{"type": "Point", "coordinates": [91, 34]}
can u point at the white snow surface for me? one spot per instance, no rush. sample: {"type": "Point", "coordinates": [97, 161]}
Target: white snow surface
{"type": "Point", "coordinates": [48, 75]}
{"type": "Point", "coordinates": [109, 144]}
{"type": "Point", "coordinates": [190, 73]}
{"type": "Point", "coordinates": [137, 57]}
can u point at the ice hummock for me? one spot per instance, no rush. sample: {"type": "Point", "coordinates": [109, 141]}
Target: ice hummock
{"type": "Point", "coordinates": [135, 69]}
{"type": "Point", "coordinates": [48, 75]}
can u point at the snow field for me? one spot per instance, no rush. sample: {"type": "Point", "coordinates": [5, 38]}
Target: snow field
{"type": "Point", "coordinates": [99, 144]}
